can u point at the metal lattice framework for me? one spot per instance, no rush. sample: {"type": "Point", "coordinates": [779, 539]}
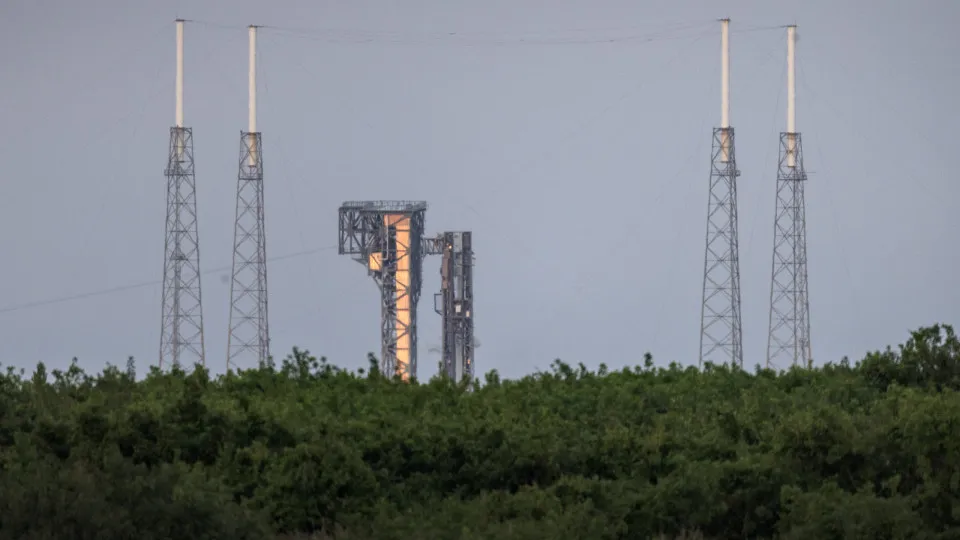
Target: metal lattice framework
{"type": "Point", "coordinates": [248, 342]}
{"type": "Point", "coordinates": [454, 303]}
{"type": "Point", "coordinates": [789, 338]}
{"type": "Point", "coordinates": [181, 333]}
{"type": "Point", "coordinates": [387, 238]}
{"type": "Point", "coordinates": [721, 336]}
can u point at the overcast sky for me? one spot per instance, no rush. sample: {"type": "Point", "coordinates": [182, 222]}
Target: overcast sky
{"type": "Point", "coordinates": [571, 137]}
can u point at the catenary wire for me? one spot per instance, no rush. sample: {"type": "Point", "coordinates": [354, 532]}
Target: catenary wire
{"type": "Point", "coordinates": [527, 164]}
{"type": "Point", "coordinates": [301, 32]}
{"type": "Point", "coordinates": [122, 288]}
{"type": "Point", "coordinates": [771, 148]}
{"type": "Point", "coordinates": [287, 180]}
{"type": "Point", "coordinates": [473, 39]}
{"type": "Point", "coordinates": [678, 58]}
{"type": "Point", "coordinates": [381, 36]}
{"type": "Point", "coordinates": [838, 238]}
{"type": "Point", "coordinates": [144, 284]}
{"type": "Point", "coordinates": [466, 41]}
{"type": "Point", "coordinates": [345, 35]}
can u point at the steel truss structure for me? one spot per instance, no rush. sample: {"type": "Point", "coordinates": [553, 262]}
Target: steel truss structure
{"type": "Point", "coordinates": [248, 342]}
{"type": "Point", "coordinates": [454, 303]}
{"type": "Point", "coordinates": [721, 336]}
{"type": "Point", "coordinates": [181, 333]}
{"type": "Point", "coordinates": [387, 238]}
{"type": "Point", "coordinates": [789, 338]}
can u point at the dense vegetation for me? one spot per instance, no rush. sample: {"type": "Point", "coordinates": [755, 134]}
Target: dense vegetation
{"type": "Point", "coordinates": [865, 450]}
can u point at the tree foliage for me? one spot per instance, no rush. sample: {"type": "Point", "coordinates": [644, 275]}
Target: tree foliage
{"type": "Point", "coordinates": [864, 450]}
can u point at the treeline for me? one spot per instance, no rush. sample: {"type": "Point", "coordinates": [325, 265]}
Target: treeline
{"type": "Point", "coordinates": [865, 450]}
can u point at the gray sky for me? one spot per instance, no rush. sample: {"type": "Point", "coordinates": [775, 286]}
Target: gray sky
{"type": "Point", "coordinates": [576, 150]}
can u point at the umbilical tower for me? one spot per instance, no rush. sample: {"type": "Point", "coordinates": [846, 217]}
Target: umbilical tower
{"type": "Point", "coordinates": [387, 238]}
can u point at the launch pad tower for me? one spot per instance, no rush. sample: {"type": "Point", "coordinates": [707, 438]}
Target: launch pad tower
{"type": "Point", "coordinates": [454, 302]}
{"type": "Point", "coordinates": [387, 238]}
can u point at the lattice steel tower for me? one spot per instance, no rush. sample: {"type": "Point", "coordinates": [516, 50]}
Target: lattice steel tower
{"type": "Point", "coordinates": [454, 303]}
{"type": "Point", "coordinates": [789, 338]}
{"type": "Point", "coordinates": [387, 238]}
{"type": "Point", "coordinates": [248, 342]}
{"type": "Point", "coordinates": [181, 332]}
{"type": "Point", "coordinates": [721, 336]}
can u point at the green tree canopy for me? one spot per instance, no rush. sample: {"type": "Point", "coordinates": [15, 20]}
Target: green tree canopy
{"type": "Point", "coordinates": [849, 450]}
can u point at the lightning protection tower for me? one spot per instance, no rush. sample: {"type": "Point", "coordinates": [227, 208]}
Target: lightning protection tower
{"type": "Point", "coordinates": [387, 238]}
{"type": "Point", "coordinates": [721, 337]}
{"type": "Point", "coordinates": [181, 332]}
{"type": "Point", "coordinates": [789, 339]}
{"type": "Point", "coordinates": [454, 303]}
{"type": "Point", "coordinates": [248, 342]}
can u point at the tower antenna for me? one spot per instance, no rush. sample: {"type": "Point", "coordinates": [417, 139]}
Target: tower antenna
{"type": "Point", "coordinates": [181, 326]}
{"type": "Point", "coordinates": [248, 341]}
{"type": "Point", "coordinates": [721, 337]}
{"type": "Point", "coordinates": [788, 341]}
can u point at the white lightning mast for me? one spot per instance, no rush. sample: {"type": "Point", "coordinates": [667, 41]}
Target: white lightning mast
{"type": "Point", "coordinates": [791, 96]}
{"type": "Point", "coordinates": [725, 89]}
{"type": "Point", "coordinates": [179, 119]}
{"type": "Point", "coordinates": [725, 73]}
{"type": "Point", "coordinates": [252, 80]}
